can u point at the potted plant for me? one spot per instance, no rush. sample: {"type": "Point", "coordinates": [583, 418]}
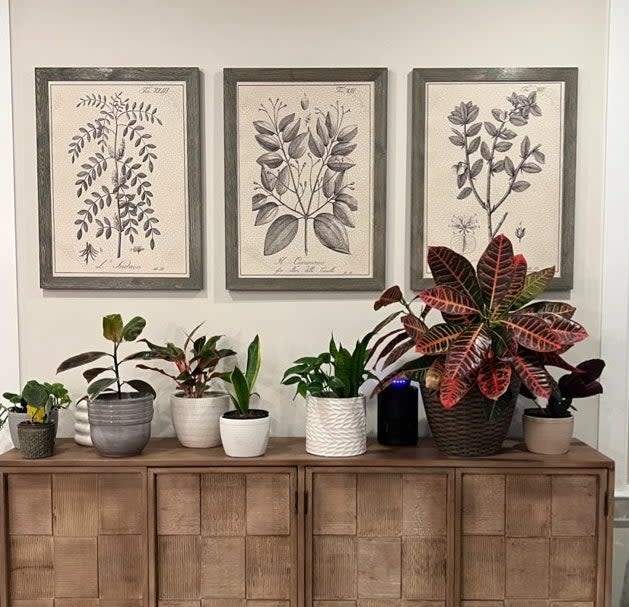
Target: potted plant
{"type": "Point", "coordinates": [548, 429]}
{"type": "Point", "coordinates": [120, 421]}
{"type": "Point", "coordinates": [195, 409]}
{"type": "Point", "coordinates": [336, 423]}
{"type": "Point", "coordinates": [36, 435]}
{"type": "Point", "coordinates": [492, 338]}
{"type": "Point", "coordinates": [245, 431]}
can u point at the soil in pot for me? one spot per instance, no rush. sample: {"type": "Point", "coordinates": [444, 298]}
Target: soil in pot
{"type": "Point", "coordinates": [37, 440]}
{"type": "Point", "coordinates": [245, 435]}
{"type": "Point", "coordinates": [546, 435]}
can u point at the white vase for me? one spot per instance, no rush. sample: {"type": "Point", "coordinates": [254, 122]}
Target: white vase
{"type": "Point", "coordinates": [245, 437]}
{"type": "Point", "coordinates": [82, 434]}
{"type": "Point", "coordinates": [547, 435]}
{"type": "Point", "coordinates": [196, 420]}
{"type": "Point", "coordinates": [336, 427]}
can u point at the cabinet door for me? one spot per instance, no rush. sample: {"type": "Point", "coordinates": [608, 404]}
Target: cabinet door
{"type": "Point", "coordinates": [532, 540]}
{"type": "Point", "coordinates": [226, 537]}
{"type": "Point", "coordinates": [379, 537]}
{"type": "Point", "coordinates": [76, 539]}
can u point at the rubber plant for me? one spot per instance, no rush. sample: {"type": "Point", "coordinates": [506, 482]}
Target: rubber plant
{"type": "Point", "coordinates": [195, 362]}
{"type": "Point", "coordinates": [492, 332]}
{"type": "Point", "coordinates": [117, 332]}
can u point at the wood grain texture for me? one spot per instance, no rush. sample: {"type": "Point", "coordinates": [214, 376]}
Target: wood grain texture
{"type": "Point", "coordinates": [31, 567]}
{"type": "Point", "coordinates": [75, 505]}
{"type": "Point", "coordinates": [28, 493]}
{"type": "Point", "coordinates": [122, 503]}
{"type": "Point", "coordinates": [222, 562]}
{"type": "Point", "coordinates": [483, 504]}
{"type": "Point", "coordinates": [76, 567]}
{"type": "Point", "coordinates": [268, 504]}
{"type": "Point", "coordinates": [121, 566]}
{"type": "Point", "coordinates": [178, 567]}
{"type": "Point", "coordinates": [379, 567]}
{"type": "Point", "coordinates": [179, 504]}
{"type": "Point", "coordinates": [182, 604]}
{"type": "Point", "coordinates": [334, 567]}
{"type": "Point", "coordinates": [528, 505]}
{"type": "Point", "coordinates": [424, 568]}
{"type": "Point", "coordinates": [574, 517]}
{"type": "Point", "coordinates": [268, 567]}
{"type": "Point", "coordinates": [223, 504]}
{"type": "Point", "coordinates": [34, 603]}
{"type": "Point", "coordinates": [376, 515]}
{"type": "Point", "coordinates": [77, 603]}
{"type": "Point", "coordinates": [527, 568]}
{"type": "Point", "coordinates": [483, 564]}
{"type": "Point", "coordinates": [573, 568]}
{"type": "Point", "coordinates": [424, 504]}
{"type": "Point", "coordinates": [334, 504]}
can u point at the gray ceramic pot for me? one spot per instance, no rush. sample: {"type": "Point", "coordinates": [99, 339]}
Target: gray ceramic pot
{"type": "Point", "coordinates": [37, 440]}
{"type": "Point", "coordinates": [121, 427]}
{"type": "Point", "coordinates": [16, 418]}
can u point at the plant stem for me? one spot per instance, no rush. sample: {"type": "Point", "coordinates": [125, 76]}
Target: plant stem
{"type": "Point", "coordinates": [117, 371]}
{"type": "Point", "coordinates": [306, 235]}
{"type": "Point", "coordinates": [118, 198]}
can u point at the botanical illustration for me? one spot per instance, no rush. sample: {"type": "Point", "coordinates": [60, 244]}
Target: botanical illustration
{"type": "Point", "coordinates": [305, 185]}
{"type": "Point", "coordinates": [491, 170]}
{"type": "Point", "coordinates": [115, 157]}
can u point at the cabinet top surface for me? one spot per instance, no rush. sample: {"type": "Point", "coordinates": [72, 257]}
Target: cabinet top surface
{"type": "Point", "coordinates": [167, 452]}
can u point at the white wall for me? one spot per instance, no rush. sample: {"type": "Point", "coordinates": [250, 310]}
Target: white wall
{"type": "Point", "coordinates": [398, 34]}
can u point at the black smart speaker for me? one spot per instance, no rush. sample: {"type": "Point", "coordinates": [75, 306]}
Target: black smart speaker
{"type": "Point", "coordinates": [397, 414]}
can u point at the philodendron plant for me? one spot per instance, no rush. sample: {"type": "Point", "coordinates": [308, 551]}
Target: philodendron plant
{"type": "Point", "coordinates": [117, 332]}
{"type": "Point", "coordinates": [336, 373]}
{"type": "Point", "coordinates": [242, 384]}
{"type": "Point", "coordinates": [38, 400]}
{"type": "Point", "coordinates": [196, 362]}
{"type": "Point", "coordinates": [492, 331]}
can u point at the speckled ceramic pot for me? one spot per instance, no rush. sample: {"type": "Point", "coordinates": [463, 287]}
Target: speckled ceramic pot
{"type": "Point", "coordinates": [196, 420]}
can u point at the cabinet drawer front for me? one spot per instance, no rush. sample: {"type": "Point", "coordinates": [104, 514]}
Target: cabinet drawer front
{"type": "Point", "coordinates": [532, 538]}
{"type": "Point", "coordinates": [76, 538]}
{"type": "Point", "coordinates": [225, 537]}
{"type": "Point", "coordinates": [379, 537]}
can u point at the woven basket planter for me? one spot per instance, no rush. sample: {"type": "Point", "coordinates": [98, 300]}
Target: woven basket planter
{"type": "Point", "coordinates": [465, 430]}
{"type": "Point", "coordinates": [336, 427]}
{"type": "Point", "coordinates": [37, 440]}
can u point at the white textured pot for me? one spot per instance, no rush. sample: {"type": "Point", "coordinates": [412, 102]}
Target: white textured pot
{"type": "Point", "coordinates": [245, 437]}
{"type": "Point", "coordinates": [336, 427]}
{"type": "Point", "coordinates": [82, 434]}
{"type": "Point", "coordinates": [547, 435]}
{"type": "Point", "coordinates": [196, 420]}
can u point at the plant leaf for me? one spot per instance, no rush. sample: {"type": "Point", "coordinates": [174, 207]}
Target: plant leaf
{"type": "Point", "coordinates": [515, 286]}
{"type": "Point", "coordinates": [415, 368]}
{"type": "Point", "coordinates": [331, 233]}
{"type": "Point", "coordinates": [253, 363]}
{"type": "Point", "coordinates": [520, 186]}
{"type": "Point", "coordinates": [132, 330]}
{"type": "Point", "coordinates": [343, 214]}
{"type": "Point", "coordinates": [494, 377]}
{"type": "Point", "coordinates": [533, 376]}
{"type": "Point", "coordinates": [284, 122]}
{"type": "Point", "coordinates": [79, 360]}
{"type": "Point", "coordinates": [495, 269]}
{"type": "Point", "coordinates": [280, 234]}
{"type": "Point", "coordinates": [141, 386]}
{"type": "Point", "coordinates": [328, 182]}
{"type": "Point", "coordinates": [532, 332]}
{"type": "Point", "coordinates": [263, 127]}
{"type": "Point", "coordinates": [438, 338]}
{"type": "Point", "coordinates": [389, 296]}
{"type": "Point", "coordinates": [453, 270]}
{"type": "Point", "coordinates": [534, 285]}
{"type": "Point", "coordinates": [112, 327]}
{"type": "Point", "coordinates": [568, 331]}
{"type": "Point", "coordinates": [298, 146]}
{"type": "Point", "coordinates": [343, 149]}
{"type": "Point", "coordinates": [270, 159]}
{"type": "Point", "coordinates": [349, 200]}
{"type": "Point", "coordinates": [552, 307]}
{"type": "Point", "coordinates": [347, 133]}
{"type": "Point", "coordinates": [35, 393]}
{"type": "Point", "coordinates": [467, 352]}
{"type": "Point", "coordinates": [292, 130]}
{"type": "Point", "coordinates": [268, 142]}
{"type": "Point", "coordinates": [453, 389]}
{"type": "Point", "coordinates": [99, 386]}
{"type": "Point", "coordinates": [240, 395]}
{"type": "Point", "coordinates": [257, 201]}
{"type": "Point", "coordinates": [449, 300]}
{"type": "Point", "coordinates": [340, 163]}
{"type": "Point", "coordinates": [399, 351]}
{"type": "Point", "coordinates": [91, 374]}
{"type": "Point", "coordinates": [315, 145]}
{"type": "Point", "coordinates": [414, 326]}
{"type": "Point", "coordinates": [266, 213]}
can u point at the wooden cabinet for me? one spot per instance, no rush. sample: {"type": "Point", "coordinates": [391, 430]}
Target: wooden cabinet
{"type": "Point", "coordinates": [394, 528]}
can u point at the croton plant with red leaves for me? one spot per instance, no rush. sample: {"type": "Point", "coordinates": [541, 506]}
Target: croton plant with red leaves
{"type": "Point", "coordinates": [491, 331]}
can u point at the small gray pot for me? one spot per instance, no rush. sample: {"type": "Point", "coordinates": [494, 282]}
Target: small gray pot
{"type": "Point", "coordinates": [38, 440]}
{"type": "Point", "coordinates": [16, 418]}
{"type": "Point", "coordinates": [121, 427]}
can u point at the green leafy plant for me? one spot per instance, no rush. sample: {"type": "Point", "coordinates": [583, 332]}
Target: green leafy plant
{"type": "Point", "coordinates": [117, 332]}
{"type": "Point", "coordinates": [38, 400]}
{"type": "Point", "coordinates": [242, 384]}
{"type": "Point", "coordinates": [336, 373]}
{"type": "Point", "coordinates": [581, 383]}
{"type": "Point", "coordinates": [491, 331]}
{"type": "Point", "coordinates": [196, 362]}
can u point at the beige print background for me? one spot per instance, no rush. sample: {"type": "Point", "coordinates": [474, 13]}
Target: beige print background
{"type": "Point", "coordinates": [292, 261]}
{"type": "Point", "coordinates": [168, 183]}
{"type": "Point", "coordinates": [537, 209]}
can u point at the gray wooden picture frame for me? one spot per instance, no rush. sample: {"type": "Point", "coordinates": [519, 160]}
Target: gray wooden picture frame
{"type": "Point", "coordinates": [189, 75]}
{"type": "Point", "coordinates": [232, 76]}
{"type": "Point", "coordinates": [420, 78]}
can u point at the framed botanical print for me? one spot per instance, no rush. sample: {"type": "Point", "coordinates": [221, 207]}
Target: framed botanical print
{"type": "Point", "coordinates": [305, 171]}
{"type": "Point", "coordinates": [494, 151]}
{"type": "Point", "coordinates": [119, 178]}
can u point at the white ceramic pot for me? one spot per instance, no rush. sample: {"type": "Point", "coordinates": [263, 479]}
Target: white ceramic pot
{"type": "Point", "coordinates": [245, 437]}
{"type": "Point", "coordinates": [547, 435]}
{"type": "Point", "coordinates": [336, 427]}
{"type": "Point", "coordinates": [82, 434]}
{"type": "Point", "coordinates": [196, 420]}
